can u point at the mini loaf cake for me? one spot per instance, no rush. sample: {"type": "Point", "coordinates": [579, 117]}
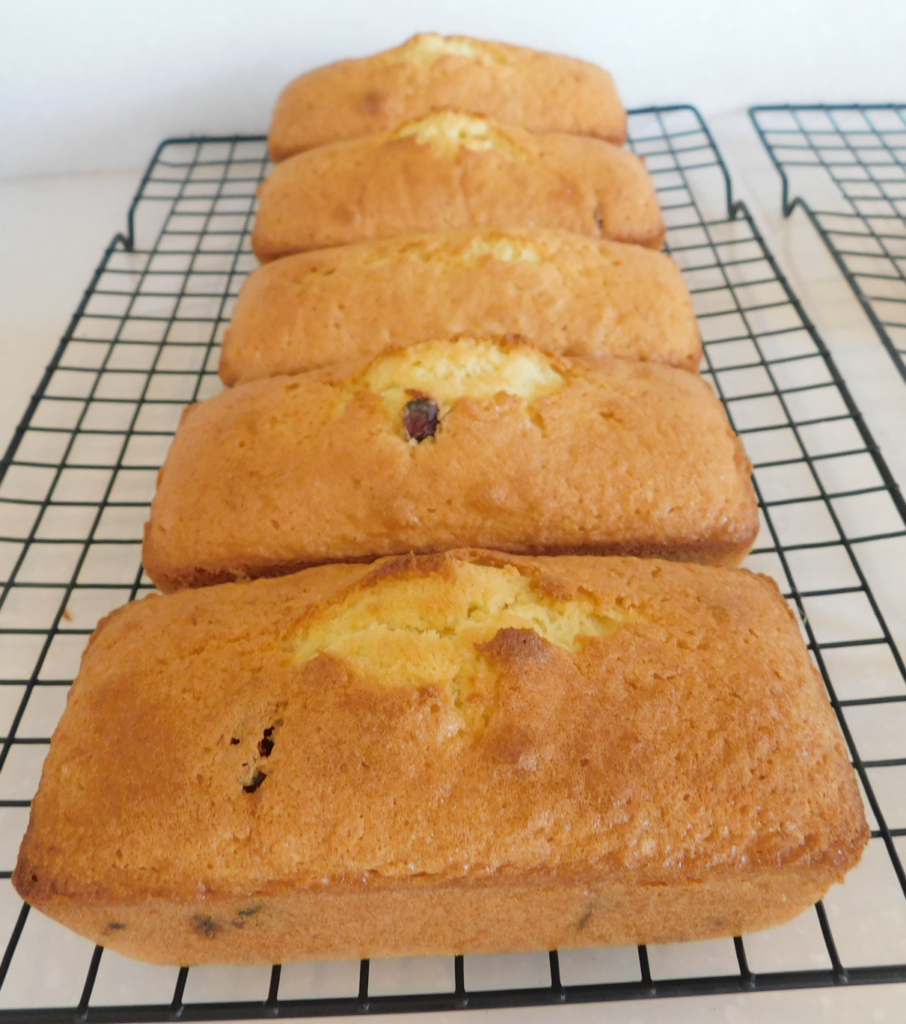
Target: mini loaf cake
{"type": "Point", "coordinates": [539, 91]}
{"type": "Point", "coordinates": [449, 170]}
{"type": "Point", "coordinates": [568, 294]}
{"type": "Point", "coordinates": [449, 754]}
{"type": "Point", "coordinates": [446, 444]}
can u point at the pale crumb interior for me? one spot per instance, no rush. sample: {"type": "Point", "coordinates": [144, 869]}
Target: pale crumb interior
{"type": "Point", "coordinates": [446, 371]}
{"type": "Point", "coordinates": [505, 248]}
{"type": "Point", "coordinates": [427, 49]}
{"type": "Point", "coordinates": [449, 131]}
{"type": "Point", "coordinates": [426, 630]}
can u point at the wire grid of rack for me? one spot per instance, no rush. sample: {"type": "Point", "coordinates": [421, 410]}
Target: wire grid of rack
{"type": "Point", "coordinates": [80, 473]}
{"type": "Point", "coordinates": [846, 167]}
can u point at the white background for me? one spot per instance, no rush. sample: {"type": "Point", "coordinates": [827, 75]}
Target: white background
{"type": "Point", "coordinates": [88, 89]}
{"type": "Point", "coordinates": [95, 84]}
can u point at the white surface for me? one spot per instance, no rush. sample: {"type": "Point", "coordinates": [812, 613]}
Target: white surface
{"type": "Point", "coordinates": [95, 85]}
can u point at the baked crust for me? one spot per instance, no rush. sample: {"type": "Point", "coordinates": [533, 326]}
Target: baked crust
{"type": "Point", "coordinates": [539, 456]}
{"type": "Point", "coordinates": [542, 92]}
{"type": "Point", "coordinates": [568, 294]}
{"type": "Point", "coordinates": [679, 775]}
{"type": "Point", "coordinates": [449, 171]}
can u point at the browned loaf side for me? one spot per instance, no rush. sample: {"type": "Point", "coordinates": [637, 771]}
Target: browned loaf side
{"type": "Point", "coordinates": [542, 92]}
{"type": "Point", "coordinates": [446, 444]}
{"type": "Point", "coordinates": [450, 170]}
{"type": "Point", "coordinates": [569, 294]}
{"type": "Point", "coordinates": [441, 755]}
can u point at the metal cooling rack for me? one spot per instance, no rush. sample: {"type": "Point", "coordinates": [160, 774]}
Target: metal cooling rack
{"type": "Point", "coordinates": [846, 167]}
{"type": "Point", "coordinates": [80, 473]}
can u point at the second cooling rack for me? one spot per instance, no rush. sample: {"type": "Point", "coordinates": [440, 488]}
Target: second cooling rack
{"type": "Point", "coordinates": [845, 165]}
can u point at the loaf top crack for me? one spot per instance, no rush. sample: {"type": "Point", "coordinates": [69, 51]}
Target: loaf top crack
{"type": "Point", "coordinates": [433, 631]}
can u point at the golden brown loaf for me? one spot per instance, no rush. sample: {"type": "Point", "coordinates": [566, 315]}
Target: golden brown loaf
{"type": "Point", "coordinates": [543, 92]}
{"type": "Point", "coordinates": [458, 753]}
{"type": "Point", "coordinates": [450, 170]}
{"type": "Point", "coordinates": [568, 294]}
{"type": "Point", "coordinates": [446, 444]}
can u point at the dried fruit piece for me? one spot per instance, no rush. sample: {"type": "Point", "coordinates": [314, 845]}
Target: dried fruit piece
{"type": "Point", "coordinates": [420, 418]}
{"type": "Point", "coordinates": [205, 926]}
{"type": "Point", "coordinates": [266, 743]}
{"type": "Point", "coordinates": [257, 779]}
